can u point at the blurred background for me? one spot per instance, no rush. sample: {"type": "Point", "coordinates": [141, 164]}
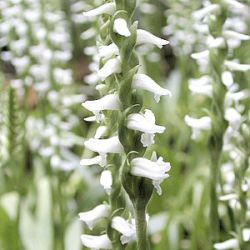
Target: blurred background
{"type": "Point", "coordinates": [47, 69]}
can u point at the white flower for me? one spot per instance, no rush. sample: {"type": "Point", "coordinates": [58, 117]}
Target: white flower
{"type": "Point", "coordinates": [106, 51]}
{"type": "Point", "coordinates": [144, 36]}
{"type": "Point", "coordinates": [197, 125]}
{"type": "Point", "coordinates": [112, 66]}
{"type": "Point", "coordinates": [228, 244]}
{"type": "Point", "coordinates": [108, 102]}
{"type": "Point", "coordinates": [145, 123]}
{"type": "Point", "coordinates": [218, 42]}
{"type": "Point", "coordinates": [227, 78]}
{"type": "Point", "coordinates": [106, 180]}
{"type": "Point", "coordinates": [154, 169]}
{"type": "Point", "coordinates": [233, 117]}
{"type": "Point", "coordinates": [90, 217]}
{"type": "Point", "coordinates": [107, 8]}
{"type": "Point", "coordinates": [210, 9]}
{"type": "Point", "coordinates": [110, 145]}
{"type": "Point", "coordinates": [121, 27]}
{"type": "Point", "coordinates": [97, 160]}
{"type": "Point", "coordinates": [125, 228]}
{"type": "Point", "coordinates": [142, 81]}
{"type": "Point", "coordinates": [96, 242]}
{"type": "Point", "coordinates": [203, 55]}
{"type": "Point", "coordinates": [229, 34]}
{"type": "Point", "coordinates": [100, 132]}
{"type": "Point", "coordinates": [234, 66]}
{"type": "Point", "coordinates": [201, 86]}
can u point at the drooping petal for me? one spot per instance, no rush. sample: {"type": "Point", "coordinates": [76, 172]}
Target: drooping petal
{"type": "Point", "coordinates": [228, 244]}
{"type": "Point", "coordinates": [202, 86]}
{"type": "Point", "coordinates": [142, 81]}
{"type": "Point", "coordinates": [97, 160]}
{"type": "Point", "coordinates": [144, 36]}
{"type": "Point", "coordinates": [106, 51]}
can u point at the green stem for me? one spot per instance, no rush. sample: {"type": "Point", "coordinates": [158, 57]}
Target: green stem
{"type": "Point", "coordinates": [214, 215]}
{"type": "Point", "coordinates": [141, 228]}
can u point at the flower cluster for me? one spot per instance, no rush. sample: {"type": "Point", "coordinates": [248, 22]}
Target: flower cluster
{"type": "Point", "coordinates": [226, 117]}
{"type": "Point", "coordinates": [125, 130]}
{"type": "Point", "coordinates": [40, 50]}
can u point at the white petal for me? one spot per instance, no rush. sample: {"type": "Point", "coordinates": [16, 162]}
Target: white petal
{"type": "Point", "coordinates": [210, 9]}
{"type": "Point", "coordinates": [110, 145]}
{"type": "Point", "coordinates": [235, 35]}
{"type": "Point", "coordinates": [233, 117]}
{"type": "Point", "coordinates": [121, 27]}
{"type": "Point", "coordinates": [228, 244]}
{"type": "Point", "coordinates": [125, 228]}
{"type": "Point", "coordinates": [246, 234]}
{"type": "Point", "coordinates": [203, 55]}
{"type": "Point", "coordinates": [201, 86]}
{"type": "Point", "coordinates": [147, 139]}
{"type": "Point", "coordinates": [90, 217]}
{"type": "Point", "coordinates": [112, 66]}
{"type": "Point", "coordinates": [144, 36]}
{"type": "Point", "coordinates": [93, 118]}
{"type": "Point", "coordinates": [227, 78]}
{"type": "Point", "coordinates": [97, 160]}
{"type": "Point", "coordinates": [106, 180]}
{"type": "Point", "coordinates": [142, 81]}
{"type": "Point", "coordinates": [203, 123]}
{"type": "Point", "coordinates": [107, 8]}
{"type": "Point", "coordinates": [108, 102]}
{"type": "Point", "coordinates": [96, 242]}
{"type": "Point", "coordinates": [108, 50]}
{"type": "Point", "coordinates": [100, 132]}
{"type": "Point", "coordinates": [234, 66]}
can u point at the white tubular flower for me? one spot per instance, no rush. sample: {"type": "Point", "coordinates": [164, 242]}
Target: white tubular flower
{"type": "Point", "coordinates": [201, 86]}
{"type": "Point", "coordinates": [107, 8]}
{"type": "Point", "coordinates": [210, 9]}
{"type": "Point", "coordinates": [97, 160]}
{"type": "Point", "coordinates": [142, 81]}
{"type": "Point", "coordinates": [112, 66]}
{"type": "Point", "coordinates": [110, 145]}
{"type": "Point", "coordinates": [197, 125]}
{"type": "Point", "coordinates": [234, 66]}
{"type": "Point", "coordinates": [230, 34]}
{"type": "Point", "coordinates": [233, 117]}
{"type": "Point", "coordinates": [227, 78]}
{"type": "Point", "coordinates": [106, 181]}
{"type": "Point", "coordinates": [108, 50]}
{"type": "Point", "coordinates": [96, 242]}
{"type": "Point", "coordinates": [90, 217]}
{"type": "Point", "coordinates": [145, 123]}
{"type": "Point", "coordinates": [144, 36]}
{"type": "Point", "coordinates": [154, 170]}
{"type": "Point", "coordinates": [218, 42]}
{"type": "Point", "coordinates": [121, 27]}
{"type": "Point", "coordinates": [125, 228]}
{"type": "Point", "coordinates": [108, 102]}
{"type": "Point", "coordinates": [228, 244]}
